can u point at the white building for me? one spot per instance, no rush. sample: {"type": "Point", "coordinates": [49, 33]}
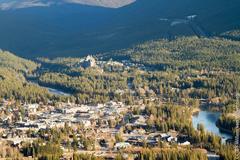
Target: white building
{"type": "Point", "coordinates": [31, 108]}
{"type": "Point", "coordinates": [122, 145]}
{"type": "Point", "coordinates": [185, 143]}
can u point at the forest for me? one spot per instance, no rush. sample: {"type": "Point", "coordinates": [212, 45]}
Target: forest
{"type": "Point", "coordinates": [184, 53]}
{"type": "Point", "coordinates": [175, 78]}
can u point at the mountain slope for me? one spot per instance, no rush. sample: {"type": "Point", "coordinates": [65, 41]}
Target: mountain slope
{"type": "Point", "coordinates": [103, 3]}
{"type": "Point", "coordinates": [76, 30]}
{"type": "Point", "coordinates": [9, 60]}
{"type": "Point", "coordinates": [16, 4]}
{"type": "Point", "coordinates": [183, 53]}
{"type": "Point", "coordinates": [13, 83]}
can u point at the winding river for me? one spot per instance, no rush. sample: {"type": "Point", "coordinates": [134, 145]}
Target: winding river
{"type": "Point", "coordinates": [209, 119]}
{"type": "Point", "coordinates": [51, 90]}
{"type": "Point", "coordinates": [57, 92]}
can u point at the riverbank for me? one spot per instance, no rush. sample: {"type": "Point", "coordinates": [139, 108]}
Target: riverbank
{"type": "Point", "coordinates": [195, 111]}
{"type": "Point", "coordinates": [51, 90]}
{"type": "Point", "coordinates": [227, 122]}
{"type": "Point", "coordinates": [209, 119]}
{"type": "Point", "coordinates": [224, 130]}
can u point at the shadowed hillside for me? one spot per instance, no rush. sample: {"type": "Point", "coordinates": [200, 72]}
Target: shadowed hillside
{"type": "Point", "coordinates": [77, 30]}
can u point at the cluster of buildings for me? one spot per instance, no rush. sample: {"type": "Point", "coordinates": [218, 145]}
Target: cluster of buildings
{"type": "Point", "coordinates": [140, 136]}
{"type": "Point", "coordinates": [103, 122]}
{"type": "Point", "coordinates": [36, 117]}
{"type": "Point", "coordinates": [110, 65]}
{"type": "Point", "coordinates": [87, 62]}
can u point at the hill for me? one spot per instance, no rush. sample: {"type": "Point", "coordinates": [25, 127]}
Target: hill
{"type": "Point", "coordinates": [13, 83]}
{"type": "Point", "coordinates": [103, 3]}
{"type": "Point", "coordinates": [9, 4]}
{"type": "Point", "coordinates": [75, 30]}
{"type": "Point", "coordinates": [184, 53]}
{"type": "Point", "coordinates": [9, 60]}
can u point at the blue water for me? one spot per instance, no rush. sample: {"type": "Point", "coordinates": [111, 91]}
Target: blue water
{"type": "Point", "coordinates": [209, 119]}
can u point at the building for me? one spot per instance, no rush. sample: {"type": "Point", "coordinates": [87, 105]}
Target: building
{"type": "Point", "coordinates": [87, 62]}
{"type": "Point", "coordinates": [31, 108]}
{"type": "Point", "coordinates": [185, 143]}
{"type": "Point", "coordinates": [122, 145]}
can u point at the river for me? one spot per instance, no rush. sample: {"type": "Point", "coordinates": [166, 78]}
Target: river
{"type": "Point", "coordinates": [57, 92]}
{"type": "Point", "coordinates": [209, 119]}
{"type": "Point", "coordinates": [51, 90]}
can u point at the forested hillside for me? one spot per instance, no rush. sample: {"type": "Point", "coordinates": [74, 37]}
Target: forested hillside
{"type": "Point", "coordinates": [9, 60]}
{"type": "Point", "coordinates": [164, 81]}
{"type": "Point", "coordinates": [185, 52]}
{"type": "Point", "coordinates": [233, 34]}
{"type": "Point", "coordinates": [77, 30]}
{"type": "Point", "coordinates": [12, 81]}
{"type": "Point", "coordinates": [13, 85]}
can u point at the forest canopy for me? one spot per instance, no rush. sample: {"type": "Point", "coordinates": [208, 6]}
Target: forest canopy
{"type": "Point", "coordinates": [185, 52]}
{"type": "Point", "coordinates": [9, 60]}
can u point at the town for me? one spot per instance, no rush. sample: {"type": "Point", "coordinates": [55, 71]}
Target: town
{"type": "Point", "coordinates": [113, 109]}
{"type": "Point", "coordinates": [119, 80]}
{"type": "Point", "coordinates": [103, 121]}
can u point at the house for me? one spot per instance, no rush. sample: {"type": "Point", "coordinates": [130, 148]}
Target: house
{"type": "Point", "coordinates": [138, 131]}
{"type": "Point", "coordinates": [115, 63]}
{"type": "Point", "coordinates": [31, 108]}
{"type": "Point", "coordinates": [187, 143]}
{"type": "Point", "coordinates": [172, 139]}
{"type": "Point", "coordinates": [86, 123]}
{"type": "Point", "coordinates": [164, 135]}
{"type": "Point", "coordinates": [83, 109]}
{"type": "Point", "coordinates": [121, 145]}
{"type": "Point", "coordinates": [139, 120]}
{"type": "Point", "coordinates": [16, 142]}
{"type": "Point", "coordinates": [182, 138]}
{"type": "Point", "coordinates": [136, 140]}
{"type": "Point", "coordinates": [152, 142]}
